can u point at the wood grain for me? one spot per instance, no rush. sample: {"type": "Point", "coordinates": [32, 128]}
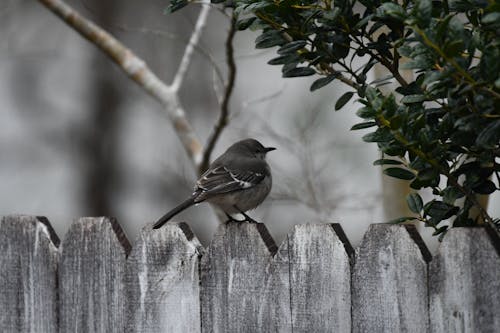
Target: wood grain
{"type": "Point", "coordinates": [320, 278]}
{"type": "Point", "coordinates": [390, 281]}
{"type": "Point", "coordinates": [243, 287]}
{"type": "Point", "coordinates": [91, 276]}
{"type": "Point", "coordinates": [465, 282]}
{"type": "Point", "coordinates": [28, 275]}
{"type": "Point", "coordinates": [162, 281]}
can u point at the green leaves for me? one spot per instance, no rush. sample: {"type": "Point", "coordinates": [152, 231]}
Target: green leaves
{"type": "Point", "coordinates": [380, 135]}
{"type": "Point", "coordinates": [269, 39]}
{"type": "Point", "coordinates": [415, 203]}
{"type": "Point", "coordinates": [489, 137]}
{"type": "Point", "coordinates": [399, 173]}
{"type": "Point", "coordinates": [299, 71]}
{"type": "Point", "coordinates": [292, 47]}
{"type": "Point", "coordinates": [343, 100]}
{"type": "Point", "coordinates": [492, 20]}
{"type": "Point", "coordinates": [438, 211]}
{"type": "Point", "coordinates": [320, 83]}
{"type": "Point", "coordinates": [245, 23]}
{"type": "Point", "coordinates": [391, 10]}
{"type": "Point", "coordinates": [366, 124]}
{"type": "Point", "coordinates": [443, 125]}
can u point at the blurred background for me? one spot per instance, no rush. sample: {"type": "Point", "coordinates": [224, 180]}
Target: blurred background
{"type": "Point", "coordinates": [78, 138]}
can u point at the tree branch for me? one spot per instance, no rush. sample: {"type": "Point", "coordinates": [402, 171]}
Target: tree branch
{"type": "Point", "coordinates": [136, 69]}
{"type": "Point", "coordinates": [190, 47]}
{"type": "Point", "coordinates": [224, 109]}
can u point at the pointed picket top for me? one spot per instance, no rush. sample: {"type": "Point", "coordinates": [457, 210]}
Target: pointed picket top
{"type": "Point", "coordinates": [320, 278]}
{"type": "Point", "coordinates": [464, 282]}
{"type": "Point", "coordinates": [243, 288]}
{"type": "Point", "coordinates": [390, 281]}
{"type": "Point", "coordinates": [162, 281]}
{"type": "Point", "coordinates": [91, 276]}
{"type": "Point", "coordinates": [28, 274]}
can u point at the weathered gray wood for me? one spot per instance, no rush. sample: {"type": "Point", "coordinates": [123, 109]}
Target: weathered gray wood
{"type": "Point", "coordinates": [243, 288]}
{"type": "Point", "coordinates": [162, 281]}
{"type": "Point", "coordinates": [28, 275]}
{"type": "Point", "coordinates": [389, 281]}
{"type": "Point", "coordinates": [91, 276]}
{"type": "Point", "coordinates": [465, 282]}
{"type": "Point", "coordinates": [320, 278]}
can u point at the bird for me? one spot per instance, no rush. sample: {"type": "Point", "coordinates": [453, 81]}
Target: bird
{"type": "Point", "coordinates": [237, 181]}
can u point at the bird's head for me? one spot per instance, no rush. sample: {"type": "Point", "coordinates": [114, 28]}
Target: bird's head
{"type": "Point", "coordinates": [250, 147]}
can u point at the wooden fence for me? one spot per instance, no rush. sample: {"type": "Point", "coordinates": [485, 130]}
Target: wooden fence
{"type": "Point", "coordinates": [313, 282]}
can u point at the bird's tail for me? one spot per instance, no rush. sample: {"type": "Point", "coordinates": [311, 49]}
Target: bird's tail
{"type": "Point", "coordinates": [165, 218]}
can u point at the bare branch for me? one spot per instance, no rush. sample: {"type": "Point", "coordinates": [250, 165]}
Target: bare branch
{"type": "Point", "coordinates": [224, 109]}
{"type": "Point", "coordinates": [190, 47]}
{"type": "Point", "coordinates": [136, 69]}
{"type": "Point", "coordinates": [165, 34]}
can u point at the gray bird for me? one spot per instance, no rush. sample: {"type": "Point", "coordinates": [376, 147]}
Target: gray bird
{"type": "Point", "coordinates": [237, 181]}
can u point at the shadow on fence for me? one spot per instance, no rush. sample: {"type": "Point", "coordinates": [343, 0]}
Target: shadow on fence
{"type": "Point", "coordinates": [313, 282]}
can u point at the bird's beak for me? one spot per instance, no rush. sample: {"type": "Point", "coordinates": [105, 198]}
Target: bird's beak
{"type": "Point", "coordinates": [268, 149]}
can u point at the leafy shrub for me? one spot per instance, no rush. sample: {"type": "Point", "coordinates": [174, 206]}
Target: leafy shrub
{"type": "Point", "coordinates": [445, 124]}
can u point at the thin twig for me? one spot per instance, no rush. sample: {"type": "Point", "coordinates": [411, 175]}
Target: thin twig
{"type": "Point", "coordinates": [228, 91]}
{"type": "Point", "coordinates": [136, 69]}
{"type": "Point", "coordinates": [190, 47]}
{"type": "Point", "coordinates": [165, 34]}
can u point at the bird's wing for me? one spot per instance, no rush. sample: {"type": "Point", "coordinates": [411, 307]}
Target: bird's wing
{"type": "Point", "coordinates": [223, 180]}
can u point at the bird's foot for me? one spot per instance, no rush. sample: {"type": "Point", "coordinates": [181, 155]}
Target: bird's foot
{"type": "Point", "coordinates": [249, 219]}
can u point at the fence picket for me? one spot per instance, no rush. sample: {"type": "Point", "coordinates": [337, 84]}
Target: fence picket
{"type": "Point", "coordinates": [320, 278]}
{"type": "Point", "coordinates": [162, 281]}
{"type": "Point", "coordinates": [28, 275]}
{"type": "Point", "coordinates": [243, 288]}
{"type": "Point", "coordinates": [390, 281]}
{"type": "Point", "coordinates": [91, 276]}
{"type": "Point", "coordinates": [464, 282]}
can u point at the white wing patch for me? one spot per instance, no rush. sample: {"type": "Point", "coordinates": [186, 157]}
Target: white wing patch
{"type": "Point", "coordinates": [242, 183]}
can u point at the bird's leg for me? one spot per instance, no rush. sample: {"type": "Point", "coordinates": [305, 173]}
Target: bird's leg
{"type": "Point", "coordinates": [247, 218]}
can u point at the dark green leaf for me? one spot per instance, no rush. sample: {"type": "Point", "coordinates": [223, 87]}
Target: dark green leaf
{"type": "Point", "coordinates": [492, 19]}
{"type": "Point", "coordinates": [284, 59]}
{"type": "Point", "coordinates": [269, 39]}
{"type": "Point", "coordinates": [243, 24]}
{"type": "Point", "coordinates": [392, 10]}
{"type": "Point", "coordinates": [399, 173]}
{"type": "Point", "coordinates": [486, 187]}
{"type": "Point", "coordinates": [413, 99]}
{"type": "Point", "coordinates": [292, 47]}
{"type": "Point", "coordinates": [320, 83]}
{"type": "Point", "coordinates": [439, 210]}
{"type": "Point", "coordinates": [424, 11]}
{"type": "Point", "coordinates": [299, 71]}
{"type": "Point", "coordinates": [363, 125]}
{"type": "Point", "coordinates": [366, 113]}
{"type": "Point", "coordinates": [415, 202]}
{"type": "Point", "coordinates": [490, 136]}
{"type": "Point", "coordinates": [453, 48]}
{"type": "Point", "coordinates": [384, 161]}
{"type": "Point", "coordinates": [401, 220]}
{"type": "Point", "coordinates": [380, 135]}
{"type": "Point", "coordinates": [451, 194]}
{"type": "Point", "coordinates": [363, 22]}
{"type": "Point", "coordinates": [343, 100]}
